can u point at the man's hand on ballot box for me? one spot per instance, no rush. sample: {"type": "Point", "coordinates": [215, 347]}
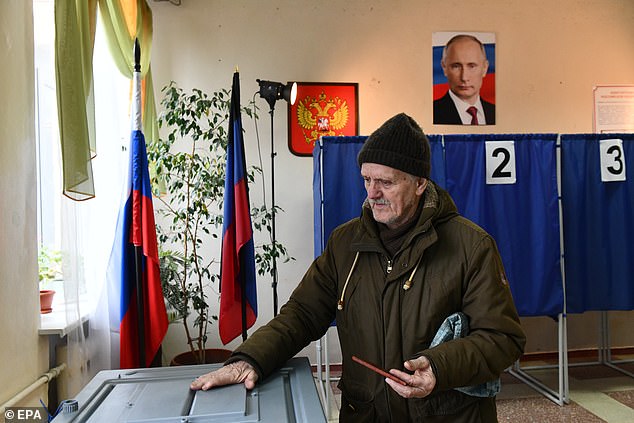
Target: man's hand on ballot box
{"type": "Point", "coordinates": [237, 372]}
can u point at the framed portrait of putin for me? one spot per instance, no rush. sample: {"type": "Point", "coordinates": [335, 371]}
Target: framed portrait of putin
{"type": "Point", "coordinates": [463, 78]}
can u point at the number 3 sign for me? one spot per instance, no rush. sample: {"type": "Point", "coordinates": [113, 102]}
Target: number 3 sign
{"type": "Point", "coordinates": [612, 160]}
{"type": "Point", "coordinates": [500, 162]}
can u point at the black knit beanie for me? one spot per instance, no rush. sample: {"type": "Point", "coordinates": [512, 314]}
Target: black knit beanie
{"type": "Point", "coordinates": [400, 144]}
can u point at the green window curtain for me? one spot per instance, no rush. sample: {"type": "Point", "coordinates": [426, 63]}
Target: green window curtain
{"type": "Point", "coordinates": [75, 22]}
{"type": "Point", "coordinates": [124, 21]}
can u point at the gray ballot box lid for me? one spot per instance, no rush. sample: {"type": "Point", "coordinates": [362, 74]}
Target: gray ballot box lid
{"type": "Point", "coordinates": [162, 395]}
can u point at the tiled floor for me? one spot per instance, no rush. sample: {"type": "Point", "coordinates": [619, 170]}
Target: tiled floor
{"type": "Point", "coordinates": [598, 394]}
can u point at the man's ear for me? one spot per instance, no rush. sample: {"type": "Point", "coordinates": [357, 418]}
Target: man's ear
{"type": "Point", "coordinates": [421, 185]}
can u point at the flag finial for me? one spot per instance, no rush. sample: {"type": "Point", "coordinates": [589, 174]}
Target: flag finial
{"type": "Point", "coordinates": [137, 56]}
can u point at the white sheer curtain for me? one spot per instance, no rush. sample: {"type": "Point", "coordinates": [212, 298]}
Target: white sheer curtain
{"type": "Point", "coordinates": [83, 230]}
{"type": "Point", "coordinates": [96, 219]}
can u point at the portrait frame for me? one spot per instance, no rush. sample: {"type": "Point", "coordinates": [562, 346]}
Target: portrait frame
{"type": "Point", "coordinates": [322, 109]}
{"type": "Point", "coordinates": [440, 83]}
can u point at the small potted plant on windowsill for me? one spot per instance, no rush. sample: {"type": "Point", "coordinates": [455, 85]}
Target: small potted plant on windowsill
{"type": "Point", "coordinates": [50, 269]}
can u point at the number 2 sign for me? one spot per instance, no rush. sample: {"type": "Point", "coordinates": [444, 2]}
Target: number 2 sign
{"type": "Point", "coordinates": [612, 160]}
{"type": "Point", "coordinates": [500, 162]}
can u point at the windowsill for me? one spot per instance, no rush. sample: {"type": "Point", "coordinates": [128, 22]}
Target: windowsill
{"type": "Point", "coordinates": [58, 323]}
{"type": "Point", "coordinates": [64, 317]}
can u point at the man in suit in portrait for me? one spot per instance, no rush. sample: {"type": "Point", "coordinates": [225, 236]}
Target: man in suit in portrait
{"type": "Point", "coordinates": [465, 64]}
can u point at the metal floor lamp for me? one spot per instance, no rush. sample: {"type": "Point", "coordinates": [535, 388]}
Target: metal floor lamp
{"type": "Point", "coordinates": [271, 92]}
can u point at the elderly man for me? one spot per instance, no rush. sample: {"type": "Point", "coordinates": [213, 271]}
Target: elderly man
{"type": "Point", "coordinates": [465, 64]}
{"type": "Point", "coordinates": [408, 266]}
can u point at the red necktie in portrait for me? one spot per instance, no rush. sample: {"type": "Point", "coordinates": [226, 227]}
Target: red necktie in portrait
{"type": "Point", "coordinates": [474, 115]}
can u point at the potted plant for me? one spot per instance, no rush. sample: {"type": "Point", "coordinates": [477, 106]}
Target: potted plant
{"type": "Point", "coordinates": [49, 263]}
{"type": "Point", "coordinates": [188, 167]}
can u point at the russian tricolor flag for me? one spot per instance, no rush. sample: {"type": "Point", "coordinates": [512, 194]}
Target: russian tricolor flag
{"type": "Point", "coordinates": [135, 257]}
{"type": "Point", "coordinates": [238, 296]}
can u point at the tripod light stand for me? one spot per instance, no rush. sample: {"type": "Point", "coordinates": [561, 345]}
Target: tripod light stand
{"type": "Point", "coordinates": [271, 92]}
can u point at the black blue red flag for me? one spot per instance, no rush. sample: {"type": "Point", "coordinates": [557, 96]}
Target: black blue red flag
{"type": "Point", "coordinates": [238, 296]}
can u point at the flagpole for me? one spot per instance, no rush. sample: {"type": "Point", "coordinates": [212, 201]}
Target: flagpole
{"type": "Point", "coordinates": [138, 261]}
{"type": "Point", "coordinates": [235, 113]}
{"type": "Point", "coordinates": [138, 253]}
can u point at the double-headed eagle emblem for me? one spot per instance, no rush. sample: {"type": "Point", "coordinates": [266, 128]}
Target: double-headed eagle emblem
{"type": "Point", "coordinates": [321, 116]}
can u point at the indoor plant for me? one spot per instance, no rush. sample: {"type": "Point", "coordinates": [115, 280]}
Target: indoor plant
{"type": "Point", "coordinates": [188, 166]}
{"type": "Point", "coordinates": [49, 264]}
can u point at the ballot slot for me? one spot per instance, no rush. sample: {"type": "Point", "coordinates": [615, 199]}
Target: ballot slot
{"type": "Point", "coordinates": [288, 394]}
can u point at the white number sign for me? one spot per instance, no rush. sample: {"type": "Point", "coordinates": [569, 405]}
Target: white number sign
{"type": "Point", "coordinates": [612, 160]}
{"type": "Point", "coordinates": [500, 162]}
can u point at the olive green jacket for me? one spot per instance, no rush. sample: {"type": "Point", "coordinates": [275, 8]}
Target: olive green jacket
{"type": "Point", "coordinates": [453, 265]}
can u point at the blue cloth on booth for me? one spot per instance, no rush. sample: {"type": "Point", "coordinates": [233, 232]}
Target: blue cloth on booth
{"type": "Point", "coordinates": [454, 327]}
{"type": "Point", "coordinates": [522, 217]}
{"type": "Point", "coordinates": [598, 226]}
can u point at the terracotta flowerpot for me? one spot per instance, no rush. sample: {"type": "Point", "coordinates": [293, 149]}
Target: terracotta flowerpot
{"type": "Point", "coordinates": [46, 300]}
{"type": "Point", "coordinates": [212, 355]}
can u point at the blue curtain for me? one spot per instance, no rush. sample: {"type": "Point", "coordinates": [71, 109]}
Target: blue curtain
{"type": "Point", "coordinates": [598, 226]}
{"type": "Point", "coordinates": [338, 190]}
{"type": "Point", "coordinates": [523, 217]}
{"type": "Point", "coordinates": [437, 159]}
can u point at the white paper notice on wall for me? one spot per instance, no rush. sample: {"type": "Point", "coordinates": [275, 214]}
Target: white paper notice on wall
{"type": "Point", "coordinates": [612, 160]}
{"type": "Point", "coordinates": [613, 108]}
{"type": "Point", "coordinates": [500, 162]}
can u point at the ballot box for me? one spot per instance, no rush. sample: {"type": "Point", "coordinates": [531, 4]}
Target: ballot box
{"type": "Point", "coordinates": [163, 395]}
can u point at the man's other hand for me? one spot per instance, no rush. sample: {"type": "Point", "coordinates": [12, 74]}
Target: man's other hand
{"type": "Point", "coordinates": [420, 384]}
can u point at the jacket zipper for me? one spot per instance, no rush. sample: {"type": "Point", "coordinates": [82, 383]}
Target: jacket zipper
{"type": "Point", "coordinates": [389, 266]}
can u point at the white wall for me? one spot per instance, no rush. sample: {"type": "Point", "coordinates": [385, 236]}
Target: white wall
{"type": "Point", "coordinates": [23, 354]}
{"type": "Point", "coordinates": [549, 57]}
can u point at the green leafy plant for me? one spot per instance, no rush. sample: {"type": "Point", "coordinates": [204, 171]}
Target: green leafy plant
{"type": "Point", "coordinates": [49, 263]}
{"type": "Point", "coordinates": [188, 166]}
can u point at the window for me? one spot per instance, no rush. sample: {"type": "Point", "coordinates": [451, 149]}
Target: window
{"type": "Point", "coordinates": [84, 230]}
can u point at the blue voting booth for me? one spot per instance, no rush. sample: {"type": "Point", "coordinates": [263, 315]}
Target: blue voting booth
{"type": "Point", "coordinates": [507, 183]}
{"type": "Point", "coordinates": [598, 226]}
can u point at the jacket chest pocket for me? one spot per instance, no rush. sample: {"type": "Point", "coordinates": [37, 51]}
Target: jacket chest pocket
{"type": "Point", "coordinates": [359, 308]}
{"type": "Point", "coordinates": [424, 307]}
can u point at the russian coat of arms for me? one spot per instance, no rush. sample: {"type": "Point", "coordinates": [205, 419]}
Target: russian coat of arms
{"type": "Point", "coordinates": [321, 116]}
